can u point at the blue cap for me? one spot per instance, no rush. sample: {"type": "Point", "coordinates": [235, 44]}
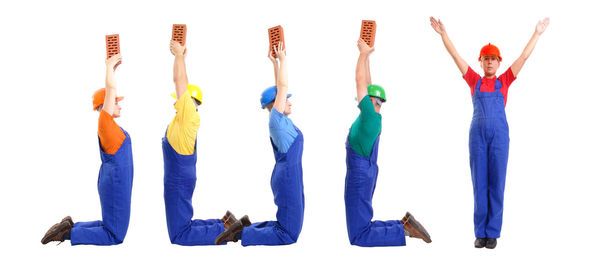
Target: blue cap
{"type": "Point", "coordinates": [268, 96]}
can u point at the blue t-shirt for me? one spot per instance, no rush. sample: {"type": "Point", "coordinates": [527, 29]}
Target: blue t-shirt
{"type": "Point", "coordinates": [282, 131]}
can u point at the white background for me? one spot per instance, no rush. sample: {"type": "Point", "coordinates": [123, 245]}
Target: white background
{"type": "Point", "coordinates": [53, 59]}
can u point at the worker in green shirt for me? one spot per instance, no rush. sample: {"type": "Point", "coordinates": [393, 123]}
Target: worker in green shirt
{"type": "Point", "coordinates": [361, 162]}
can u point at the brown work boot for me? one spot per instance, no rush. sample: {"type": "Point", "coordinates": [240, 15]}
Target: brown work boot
{"type": "Point", "coordinates": [228, 219]}
{"type": "Point", "coordinates": [65, 219]}
{"type": "Point", "coordinates": [69, 220]}
{"type": "Point", "coordinates": [57, 232]}
{"type": "Point", "coordinates": [232, 233]}
{"type": "Point", "coordinates": [414, 228]}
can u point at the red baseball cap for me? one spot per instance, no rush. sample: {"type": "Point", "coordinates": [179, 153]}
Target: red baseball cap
{"type": "Point", "coordinates": [490, 50]}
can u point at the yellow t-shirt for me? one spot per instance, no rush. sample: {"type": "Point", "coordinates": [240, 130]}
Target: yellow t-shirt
{"type": "Point", "coordinates": [184, 127]}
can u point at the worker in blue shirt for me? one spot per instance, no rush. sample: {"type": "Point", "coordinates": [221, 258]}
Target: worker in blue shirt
{"type": "Point", "coordinates": [286, 180]}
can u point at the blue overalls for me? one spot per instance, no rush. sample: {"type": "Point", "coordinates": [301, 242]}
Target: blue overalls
{"type": "Point", "coordinates": [361, 178]}
{"type": "Point", "coordinates": [488, 149]}
{"type": "Point", "coordinates": [114, 187]}
{"type": "Point", "coordinates": [180, 182]}
{"type": "Point", "coordinates": [288, 190]}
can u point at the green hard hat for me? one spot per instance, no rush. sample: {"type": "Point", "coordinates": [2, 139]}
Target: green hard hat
{"type": "Point", "coordinates": [376, 91]}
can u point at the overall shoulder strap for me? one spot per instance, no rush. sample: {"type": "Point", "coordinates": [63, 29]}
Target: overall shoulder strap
{"type": "Point", "coordinates": [498, 85]}
{"type": "Point", "coordinates": [477, 87]}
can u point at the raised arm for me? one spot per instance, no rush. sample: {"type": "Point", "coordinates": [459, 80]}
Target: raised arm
{"type": "Point", "coordinates": [274, 61]}
{"type": "Point", "coordinates": [368, 71]}
{"type": "Point", "coordinates": [539, 29]}
{"type": "Point", "coordinates": [110, 84]}
{"type": "Point", "coordinates": [438, 27]}
{"type": "Point", "coordinates": [282, 80]}
{"type": "Point", "coordinates": [179, 73]}
{"type": "Point", "coordinates": [363, 76]}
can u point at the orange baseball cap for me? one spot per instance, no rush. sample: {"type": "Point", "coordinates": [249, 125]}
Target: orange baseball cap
{"type": "Point", "coordinates": [99, 96]}
{"type": "Point", "coordinates": [490, 50]}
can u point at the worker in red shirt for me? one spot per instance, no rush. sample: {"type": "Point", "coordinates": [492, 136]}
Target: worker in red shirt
{"type": "Point", "coordinates": [114, 180]}
{"type": "Point", "coordinates": [488, 135]}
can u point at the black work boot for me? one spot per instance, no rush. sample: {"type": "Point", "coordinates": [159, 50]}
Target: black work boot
{"type": "Point", "coordinates": [232, 233]}
{"type": "Point", "coordinates": [228, 219]}
{"type": "Point", "coordinates": [57, 232]}
{"type": "Point", "coordinates": [414, 228]}
{"type": "Point", "coordinates": [491, 243]}
{"type": "Point", "coordinates": [480, 242]}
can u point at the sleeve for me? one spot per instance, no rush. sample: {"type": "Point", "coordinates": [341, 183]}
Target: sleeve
{"type": "Point", "coordinates": [186, 109]}
{"type": "Point", "coordinates": [110, 134]}
{"type": "Point", "coordinates": [507, 78]}
{"type": "Point", "coordinates": [275, 119]}
{"type": "Point", "coordinates": [281, 130]}
{"type": "Point", "coordinates": [368, 124]}
{"type": "Point", "coordinates": [471, 77]}
{"type": "Point", "coordinates": [366, 106]}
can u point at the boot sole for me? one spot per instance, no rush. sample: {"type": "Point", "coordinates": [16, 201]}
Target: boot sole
{"type": "Point", "coordinates": [225, 237]}
{"type": "Point", "coordinates": [422, 232]}
{"type": "Point", "coordinates": [54, 232]}
{"type": "Point", "coordinates": [491, 247]}
{"type": "Point", "coordinates": [228, 219]}
{"type": "Point", "coordinates": [233, 230]}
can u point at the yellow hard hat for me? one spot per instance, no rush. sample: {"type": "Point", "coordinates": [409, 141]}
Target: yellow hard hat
{"type": "Point", "coordinates": [195, 92]}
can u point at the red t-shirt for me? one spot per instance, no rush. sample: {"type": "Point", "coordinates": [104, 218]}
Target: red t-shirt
{"type": "Point", "coordinates": [489, 85]}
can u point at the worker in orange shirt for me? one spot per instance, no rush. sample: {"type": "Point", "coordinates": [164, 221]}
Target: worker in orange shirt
{"type": "Point", "coordinates": [179, 154]}
{"type": "Point", "coordinates": [115, 177]}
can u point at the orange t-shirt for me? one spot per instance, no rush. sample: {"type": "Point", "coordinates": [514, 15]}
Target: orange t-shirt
{"type": "Point", "coordinates": [111, 135]}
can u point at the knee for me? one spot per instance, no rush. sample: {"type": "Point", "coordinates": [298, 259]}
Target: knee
{"type": "Point", "coordinates": [355, 235]}
{"type": "Point", "coordinates": [355, 241]}
{"type": "Point", "coordinates": [119, 239]}
{"type": "Point", "coordinates": [288, 236]}
{"type": "Point", "coordinates": [294, 237]}
{"type": "Point", "coordinates": [353, 238]}
{"type": "Point", "coordinates": [294, 233]}
{"type": "Point", "coordinates": [174, 238]}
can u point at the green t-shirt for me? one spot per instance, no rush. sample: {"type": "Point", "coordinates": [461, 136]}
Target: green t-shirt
{"type": "Point", "coordinates": [365, 129]}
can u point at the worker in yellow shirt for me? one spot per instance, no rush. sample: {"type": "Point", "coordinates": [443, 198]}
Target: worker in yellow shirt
{"type": "Point", "coordinates": [179, 154]}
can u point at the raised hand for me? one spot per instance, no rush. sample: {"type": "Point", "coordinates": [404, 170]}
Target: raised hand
{"type": "Point", "coordinates": [270, 55]}
{"type": "Point", "coordinates": [279, 51]}
{"type": "Point", "coordinates": [437, 25]}
{"type": "Point", "coordinates": [177, 49]}
{"type": "Point", "coordinates": [542, 25]}
{"type": "Point", "coordinates": [364, 48]}
{"type": "Point", "coordinates": [112, 62]}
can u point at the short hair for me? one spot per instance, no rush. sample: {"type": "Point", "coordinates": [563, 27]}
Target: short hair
{"type": "Point", "coordinates": [270, 105]}
{"type": "Point", "coordinates": [99, 108]}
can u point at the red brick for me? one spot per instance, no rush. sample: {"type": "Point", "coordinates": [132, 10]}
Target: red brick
{"type": "Point", "coordinates": [179, 33]}
{"type": "Point", "coordinates": [276, 36]}
{"type": "Point", "coordinates": [367, 31]}
{"type": "Point", "coordinates": [113, 46]}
